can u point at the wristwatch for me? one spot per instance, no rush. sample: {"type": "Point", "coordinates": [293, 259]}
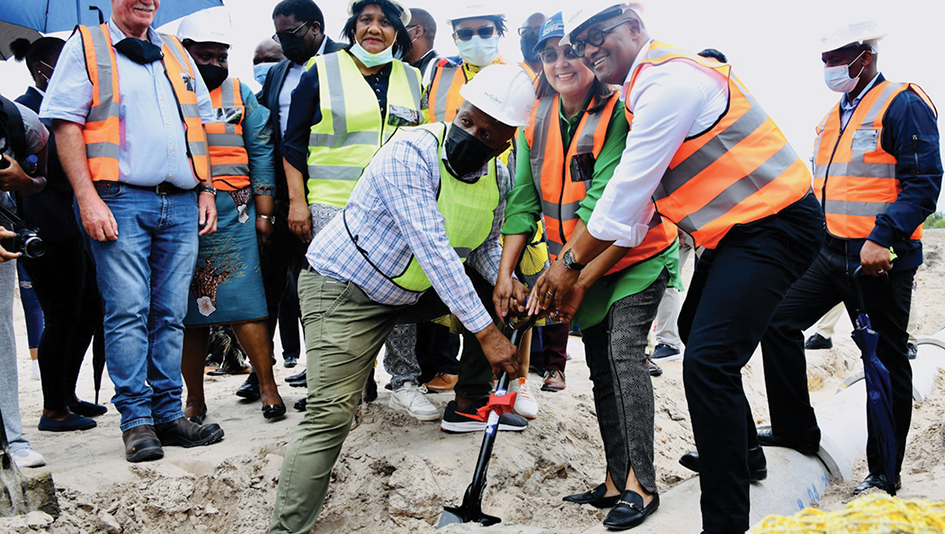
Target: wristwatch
{"type": "Point", "coordinates": [207, 189]}
{"type": "Point", "coordinates": [568, 260]}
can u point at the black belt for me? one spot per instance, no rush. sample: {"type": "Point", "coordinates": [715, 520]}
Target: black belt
{"type": "Point", "coordinates": [163, 188]}
{"type": "Point", "coordinates": [838, 245]}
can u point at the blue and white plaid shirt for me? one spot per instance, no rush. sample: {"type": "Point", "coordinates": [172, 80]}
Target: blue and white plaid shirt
{"type": "Point", "coordinates": [393, 213]}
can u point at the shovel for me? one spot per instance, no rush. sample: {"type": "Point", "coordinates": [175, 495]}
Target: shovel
{"type": "Point", "coordinates": [471, 509]}
{"type": "Point", "coordinates": [22, 495]}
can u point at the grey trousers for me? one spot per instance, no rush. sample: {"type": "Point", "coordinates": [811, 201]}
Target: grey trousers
{"type": "Point", "coordinates": [9, 385]}
{"type": "Point", "coordinates": [623, 393]}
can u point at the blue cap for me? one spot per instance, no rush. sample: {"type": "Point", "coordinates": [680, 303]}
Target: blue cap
{"type": "Point", "coordinates": [553, 27]}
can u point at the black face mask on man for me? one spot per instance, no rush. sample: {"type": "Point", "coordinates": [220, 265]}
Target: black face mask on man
{"type": "Point", "coordinates": [213, 75]}
{"type": "Point", "coordinates": [295, 50]}
{"type": "Point", "coordinates": [465, 154]}
{"type": "Point", "coordinates": [142, 52]}
{"type": "Point", "coordinates": [528, 44]}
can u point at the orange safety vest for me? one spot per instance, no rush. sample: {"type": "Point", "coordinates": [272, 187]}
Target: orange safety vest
{"type": "Point", "coordinates": [443, 95]}
{"type": "Point", "coordinates": [229, 162]}
{"type": "Point", "coordinates": [528, 70]}
{"type": "Point", "coordinates": [740, 170]}
{"type": "Point", "coordinates": [102, 132]}
{"type": "Point", "coordinates": [561, 195]}
{"type": "Point", "coordinates": [854, 178]}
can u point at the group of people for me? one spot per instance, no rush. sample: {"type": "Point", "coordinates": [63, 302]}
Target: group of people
{"type": "Point", "coordinates": [388, 186]}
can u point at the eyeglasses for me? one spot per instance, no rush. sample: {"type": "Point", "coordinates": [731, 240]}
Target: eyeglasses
{"type": "Point", "coordinates": [465, 34]}
{"type": "Point", "coordinates": [594, 37]}
{"type": "Point", "coordinates": [529, 30]}
{"type": "Point", "coordinates": [550, 55]}
{"type": "Point", "coordinates": [289, 34]}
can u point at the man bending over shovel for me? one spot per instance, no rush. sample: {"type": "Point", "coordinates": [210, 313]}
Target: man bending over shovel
{"type": "Point", "coordinates": [425, 214]}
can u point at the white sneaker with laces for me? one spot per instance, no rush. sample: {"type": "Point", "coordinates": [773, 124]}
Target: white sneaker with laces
{"type": "Point", "coordinates": [408, 398]}
{"type": "Point", "coordinates": [525, 403]}
{"type": "Point", "coordinates": [28, 458]}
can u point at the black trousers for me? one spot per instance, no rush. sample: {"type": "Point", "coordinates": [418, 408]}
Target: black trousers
{"type": "Point", "coordinates": [829, 281]}
{"type": "Point", "coordinates": [437, 351]}
{"type": "Point", "coordinates": [734, 294]}
{"type": "Point", "coordinates": [285, 252]}
{"type": "Point", "coordinates": [64, 281]}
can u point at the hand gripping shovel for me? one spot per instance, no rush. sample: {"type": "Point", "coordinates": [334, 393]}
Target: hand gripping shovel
{"type": "Point", "coordinates": [471, 509]}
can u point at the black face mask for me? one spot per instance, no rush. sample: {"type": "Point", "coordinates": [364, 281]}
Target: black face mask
{"type": "Point", "coordinates": [139, 51]}
{"type": "Point", "coordinates": [528, 44]}
{"type": "Point", "coordinates": [295, 50]}
{"type": "Point", "coordinates": [213, 75]}
{"type": "Point", "coordinates": [465, 154]}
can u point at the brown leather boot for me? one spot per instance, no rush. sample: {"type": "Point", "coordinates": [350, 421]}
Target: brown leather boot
{"type": "Point", "coordinates": [142, 444]}
{"type": "Point", "coordinates": [554, 380]}
{"type": "Point", "coordinates": [185, 433]}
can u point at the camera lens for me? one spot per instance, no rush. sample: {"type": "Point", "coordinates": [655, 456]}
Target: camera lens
{"type": "Point", "coordinates": [33, 247]}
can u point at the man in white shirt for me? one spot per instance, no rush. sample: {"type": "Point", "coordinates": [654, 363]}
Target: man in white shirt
{"type": "Point", "coordinates": [748, 203]}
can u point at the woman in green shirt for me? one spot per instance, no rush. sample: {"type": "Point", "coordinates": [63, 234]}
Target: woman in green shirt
{"type": "Point", "coordinates": [565, 158]}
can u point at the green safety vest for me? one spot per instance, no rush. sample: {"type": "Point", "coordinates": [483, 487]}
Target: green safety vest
{"type": "Point", "coordinates": [469, 210]}
{"type": "Point", "coordinates": [342, 144]}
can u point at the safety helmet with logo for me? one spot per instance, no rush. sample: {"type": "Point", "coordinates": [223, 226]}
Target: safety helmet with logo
{"type": "Point", "coordinates": [504, 92]}
{"type": "Point", "coordinates": [476, 9]}
{"type": "Point", "coordinates": [207, 26]}
{"type": "Point", "coordinates": [583, 14]}
{"type": "Point", "coordinates": [851, 33]}
{"type": "Point", "coordinates": [398, 7]}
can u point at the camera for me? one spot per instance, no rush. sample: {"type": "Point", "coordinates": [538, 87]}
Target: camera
{"type": "Point", "coordinates": [25, 240]}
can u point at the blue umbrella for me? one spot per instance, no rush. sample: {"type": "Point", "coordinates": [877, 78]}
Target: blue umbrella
{"type": "Point", "coordinates": [49, 16]}
{"type": "Point", "coordinates": [882, 425]}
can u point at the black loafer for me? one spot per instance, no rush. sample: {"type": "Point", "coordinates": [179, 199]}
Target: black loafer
{"type": "Point", "coordinates": [250, 388]}
{"type": "Point", "coordinates": [629, 511]}
{"type": "Point", "coordinates": [273, 411]}
{"type": "Point", "coordinates": [594, 497]}
{"type": "Point", "coordinates": [300, 377]}
{"type": "Point", "coordinates": [200, 417]}
{"type": "Point", "coordinates": [142, 444]}
{"type": "Point", "coordinates": [185, 433]}
{"type": "Point", "coordinates": [807, 444]}
{"type": "Point", "coordinates": [300, 404]}
{"type": "Point", "coordinates": [757, 465]}
{"type": "Point", "coordinates": [88, 409]}
{"type": "Point", "coordinates": [877, 481]}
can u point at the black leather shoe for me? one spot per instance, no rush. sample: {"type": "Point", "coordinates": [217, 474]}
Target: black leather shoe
{"type": "Point", "coordinates": [877, 481]}
{"type": "Point", "coordinates": [817, 341]}
{"type": "Point", "coordinates": [200, 417]}
{"type": "Point", "coordinates": [808, 444]}
{"type": "Point", "coordinates": [290, 361]}
{"type": "Point", "coordinates": [629, 511]}
{"type": "Point", "coordinates": [757, 465]}
{"type": "Point", "coordinates": [595, 498]}
{"type": "Point", "coordinates": [185, 433]}
{"type": "Point", "coordinates": [300, 404]}
{"type": "Point", "coordinates": [250, 388]}
{"type": "Point", "coordinates": [273, 411]}
{"type": "Point", "coordinates": [300, 377]}
{"type": "Point", "coordinates": [142, 444]}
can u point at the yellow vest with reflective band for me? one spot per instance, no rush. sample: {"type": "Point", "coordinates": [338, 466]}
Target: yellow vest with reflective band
{"type": "Point", "coordinates": [854, 178]}
{"type": "Point", "coordinates": [469, 210]}
{"type": "Point", "coordinates": [553, 168]}
{"type": "Point", "coordinates": [740, 170]}
{"type": "Point", "coordinates": [229, 162]}
{"type": "Point", "coordinates": [351, 129]}
{"type": "Point", "coordinates": [101, 131]}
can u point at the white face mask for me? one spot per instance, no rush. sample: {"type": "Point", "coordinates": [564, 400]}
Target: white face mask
{"type": "Point", "coordinates": [838, 78]}
{"type": "Point", "coordinates": [372, 60]}
{"type": "Point", "coordinates": [478, 51]}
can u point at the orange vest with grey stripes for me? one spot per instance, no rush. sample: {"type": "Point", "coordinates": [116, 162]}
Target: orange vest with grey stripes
{"type": "Point", "coordinates": [854, 178]}
{"type": "Point", "coordinates": [443, 96]}
{"type": "Point", "coordinates": [101, 131]}
{"type": "Point", "coordinates": [740, 170]}
{"type": "Point", "coordinates": [561, 195]}
{"type": "Point", "coordinates": [229, 162]}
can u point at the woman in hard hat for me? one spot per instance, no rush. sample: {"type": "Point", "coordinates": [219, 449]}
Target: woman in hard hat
{"type": "Point", "coordinates": [346, 105]}
{"type": "Point", "coordinates": [565, 158]}
{"type": "Point", "coordinates": [227, 287]}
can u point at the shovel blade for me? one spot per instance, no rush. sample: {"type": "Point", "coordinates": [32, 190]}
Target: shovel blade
{"type": "Point", "coordinates": [464, 515]}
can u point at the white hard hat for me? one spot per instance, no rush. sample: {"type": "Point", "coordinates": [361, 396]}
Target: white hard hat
{"type": "Point", "coordinates": [207, 26]}
{"type": "Point", "coordinates": [404, 12]}
{"type": "Point", "coordinates": [504, 92]}
{"type": "Point", "coordinates": [472, 10]}
{"type": "Point", "coordinates": [581, 13]}
{"type": "Point", "coordinates": [850, 33]}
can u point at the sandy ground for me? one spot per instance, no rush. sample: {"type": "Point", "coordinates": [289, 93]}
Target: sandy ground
{"type": "Point", "coordinates": [395, 474]}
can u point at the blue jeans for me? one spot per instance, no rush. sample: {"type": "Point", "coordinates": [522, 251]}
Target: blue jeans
{"type": "Point", "coordinates": [144, 277]}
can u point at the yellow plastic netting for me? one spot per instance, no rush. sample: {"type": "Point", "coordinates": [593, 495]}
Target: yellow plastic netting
{"type": "Point", "coordinates": [872, 514]}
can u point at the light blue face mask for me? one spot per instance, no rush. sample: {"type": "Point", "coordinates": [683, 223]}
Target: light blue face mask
{"type": "Point", "coordinates": [372, 60]}
{"type": "Point", "coordinates": [260, 70]}
{"type": "Point", "coordinates": [478, 51]}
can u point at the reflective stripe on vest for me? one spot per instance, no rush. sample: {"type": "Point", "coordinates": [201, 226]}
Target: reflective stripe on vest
{"type": "Point", "coordinates": [528, 70]}
{"type": "Point", "coordinates": [854, 177]}
{"type": "Point", "coordinates": [229, 161]}
{"type": "Point", "coordinates": [443, 97]}
{"type": "Point", "coordinates": [351, 130]}
{"type": "Point", "coordinates": [101, 131]}
{"type": "Point", "coordinates": [740, 170]}
{"type": "Point", "coordinates": [468, 210]}
{"type": "Point", "coordinates": [561, 196]}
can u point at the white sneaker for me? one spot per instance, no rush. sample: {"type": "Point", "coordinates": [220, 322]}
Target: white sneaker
{"type": "Point", "coordinates": [28, 458]}
{"type": "Point", "coordinates": [35, 374]}
{"type": "Point", "coordinates": [525, 403]}
{"type": "Point", "coordinates": [410, 399]}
